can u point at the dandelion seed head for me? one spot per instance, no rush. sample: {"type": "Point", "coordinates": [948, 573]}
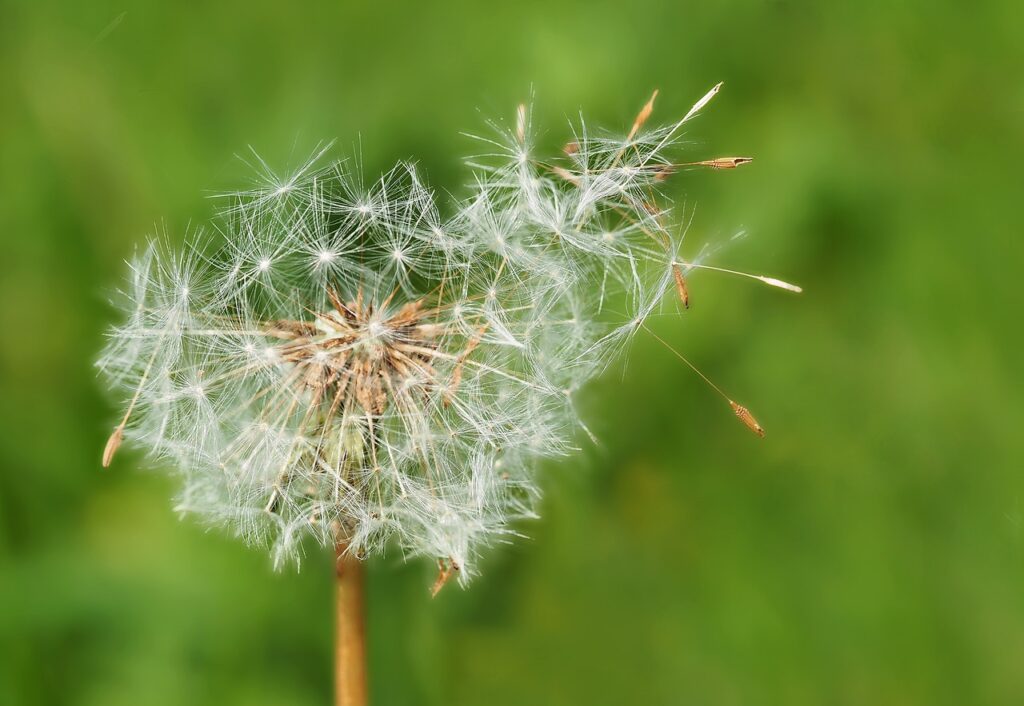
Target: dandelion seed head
{"type": "Point", "coordinates": [336, 359]}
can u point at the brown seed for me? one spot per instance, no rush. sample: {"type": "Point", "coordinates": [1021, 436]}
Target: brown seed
{"type": "Point", "coordinates": [642, 116]}
{"type": "Point", "coordinates": [747, 418]}
{"type": "Point", "coordinates": [681, 289]}
{"type": "Point", "coordinates": [571, 147]}
{"type": "Point", "coordinates": [725, 162]}
{"type": "Point", "coordinates": [113, 443]}
{"type": "Point", "coordinates": [445, 570]}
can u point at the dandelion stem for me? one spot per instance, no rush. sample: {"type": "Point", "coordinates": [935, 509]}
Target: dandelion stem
{"type": "Point", "coordinates": [350, 636]}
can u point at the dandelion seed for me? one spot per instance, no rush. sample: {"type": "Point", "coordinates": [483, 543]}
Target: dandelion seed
{"type": "Point", "coordinates": [681, 288]}
{"type": "Point", "coordinates": [770, 281]}
{"type": "Point", "coordinates": [747, 418]}
{"type": "Point", "coordinates": [724, 162]}
{"type": "Point", "coordinates": [741, 412]}
{"type": "Point", "coordinates": [642, 117]}
{"type": "Point", "coordinates": [113, 444]}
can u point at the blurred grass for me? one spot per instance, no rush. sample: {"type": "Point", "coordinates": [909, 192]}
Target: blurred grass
{"type": "Point", "coordinates": [867, 552]}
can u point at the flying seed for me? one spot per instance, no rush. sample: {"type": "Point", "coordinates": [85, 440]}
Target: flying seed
{"type": "Point", "coordinates": [724, 162]}
{"type": "Point", "coordinates": [747, 418]}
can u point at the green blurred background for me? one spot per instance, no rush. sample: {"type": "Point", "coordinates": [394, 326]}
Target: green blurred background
{"type": "Point", "coordinates": [869, 551]}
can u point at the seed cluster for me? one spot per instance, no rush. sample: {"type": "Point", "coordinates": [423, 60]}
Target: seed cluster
{"type": "Point", "coordinates": [357, 358]}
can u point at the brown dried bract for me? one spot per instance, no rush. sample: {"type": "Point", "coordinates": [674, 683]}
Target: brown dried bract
{"type": "Point", "coordinates": [747, 418]}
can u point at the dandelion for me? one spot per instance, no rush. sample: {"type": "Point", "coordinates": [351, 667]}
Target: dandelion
{"type": "Point", "coordinates": [360, 364]}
